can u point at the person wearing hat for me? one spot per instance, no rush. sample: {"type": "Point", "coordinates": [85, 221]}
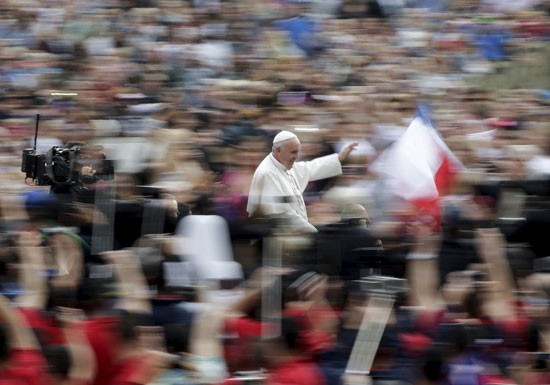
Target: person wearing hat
{"type": "Point", "coordinates": [279, 181]}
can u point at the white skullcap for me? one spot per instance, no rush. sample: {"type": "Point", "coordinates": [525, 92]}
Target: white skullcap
{"type": "Point", "coordinates": [282, 136]}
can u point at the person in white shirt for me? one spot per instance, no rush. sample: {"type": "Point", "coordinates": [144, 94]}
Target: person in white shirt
{"type": "Point", "coordinates": [279, 181]}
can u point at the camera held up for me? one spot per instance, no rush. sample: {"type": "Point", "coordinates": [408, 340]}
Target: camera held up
{"type": "Point", "coordinates": [64, 165]}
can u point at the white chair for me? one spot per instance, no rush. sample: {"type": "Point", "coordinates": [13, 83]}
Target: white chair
{"type": "Point", "coordinates": [207, 248]}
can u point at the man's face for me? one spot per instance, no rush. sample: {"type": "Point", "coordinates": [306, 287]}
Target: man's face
{"type": "Point", "coordinates": [288, 153]}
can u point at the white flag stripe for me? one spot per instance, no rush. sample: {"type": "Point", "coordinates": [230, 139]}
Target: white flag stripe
{"type": "Point", "coordinates": [411, 163]}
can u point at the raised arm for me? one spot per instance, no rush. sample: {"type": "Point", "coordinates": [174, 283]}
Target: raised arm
{"type": "Point", "coordinates": [422, 269]}
{"type": "Point", "coordinates": [318, 168]}
{"type": "Point", "coordinates": [131, 282]}
{"type": "Point", "coordinates": [251, 294]}
{"type": "Point", "coordinates": [31, 269]}
{"type": "Point", "coordinates": [492, 250]}
{"type": "Point", "coordinates": [83, 362]}
{"type": "Point", "coordinates": [70, 261]}
{"type": "Point", "coordinates": [21, 335]}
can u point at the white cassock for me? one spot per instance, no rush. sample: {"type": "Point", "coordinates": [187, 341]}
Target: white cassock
{"type": "Point", "coordinates": [277, 192]}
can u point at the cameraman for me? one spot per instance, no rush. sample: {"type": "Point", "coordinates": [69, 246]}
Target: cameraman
{"type": "Point", "coordinates": [89, 166]}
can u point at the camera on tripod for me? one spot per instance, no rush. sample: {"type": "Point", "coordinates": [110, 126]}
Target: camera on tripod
{"type": "Point", "coordinates": [64, 165]}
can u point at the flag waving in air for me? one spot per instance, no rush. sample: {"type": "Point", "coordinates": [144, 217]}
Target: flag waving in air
{"type": "Point", "coordinates": [418, 167]}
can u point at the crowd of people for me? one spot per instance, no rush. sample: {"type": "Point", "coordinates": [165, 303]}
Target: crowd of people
{"type": "Point", "coordinates": [154, 272]}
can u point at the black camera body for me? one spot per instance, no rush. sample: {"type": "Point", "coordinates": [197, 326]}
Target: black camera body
{"type": "Point", "coordinates": [53, 167]}
{"type": "Point", "coordinates": [57, 166]}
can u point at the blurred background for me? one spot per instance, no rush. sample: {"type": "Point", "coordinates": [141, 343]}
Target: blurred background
{"type": "Point", "coordinates": [127, 255]}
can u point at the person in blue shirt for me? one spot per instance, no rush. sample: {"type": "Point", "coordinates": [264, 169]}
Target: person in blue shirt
{"type": "Point", "coordinates": [301, 29]}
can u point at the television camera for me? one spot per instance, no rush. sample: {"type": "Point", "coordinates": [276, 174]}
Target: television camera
{"type": "Point", "coordinates": [75, 164]}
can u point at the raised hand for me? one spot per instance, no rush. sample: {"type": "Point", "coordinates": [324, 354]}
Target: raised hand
{"type": "Point", "coordinates": [343, 155]}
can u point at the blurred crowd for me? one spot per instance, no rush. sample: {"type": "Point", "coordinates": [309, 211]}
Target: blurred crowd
{"type": "Point", "coordinates": [155, 274]}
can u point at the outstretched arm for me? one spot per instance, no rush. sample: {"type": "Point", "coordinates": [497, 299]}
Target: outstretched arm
{"type": "Point", "coordinates": [422, 268]}
{"type": "Point", "coordinates": [31, 276]}
{"type": "Point", "coordinates": [492, 249]}
{"type": "Point", "coordinates": [70, 261]}
{"type": "Point", "coordinates": [130, 280]}
{"type": "Point", "coordinates": [17, 327]}
{"type": "Point", "coordinates": [83, 363]}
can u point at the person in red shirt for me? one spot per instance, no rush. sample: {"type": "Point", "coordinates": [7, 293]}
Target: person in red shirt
{"type": "Point", "coordinates": [243, 326]}
{"type": "Point", "coordinates": [43, 351]}
{"type": "Point", "coordinates": [121, 359]}
{"type": "Point", "coordinates": [305, 300]}
{"type": "Point", "coordinates": [287, 363]}
{"type": "Point", "coordinates": [21, 362]}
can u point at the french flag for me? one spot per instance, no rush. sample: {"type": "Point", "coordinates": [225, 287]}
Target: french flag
{"type": "Point", "coordinates": [419, 167]}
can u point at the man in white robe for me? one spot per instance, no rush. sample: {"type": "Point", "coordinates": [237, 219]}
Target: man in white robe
{"type": "Point", "coordinates": [279, 181]}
